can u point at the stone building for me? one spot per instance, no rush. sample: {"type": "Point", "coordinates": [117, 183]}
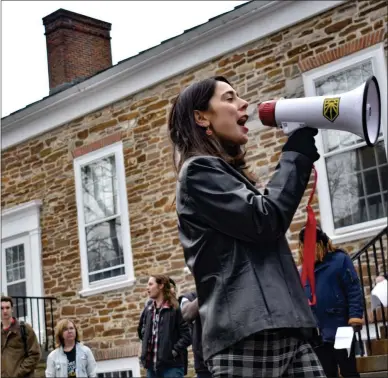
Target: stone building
{"type": "Point", "coordinates": [87, 176]}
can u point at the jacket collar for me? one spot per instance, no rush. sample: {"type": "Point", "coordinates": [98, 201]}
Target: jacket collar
{"type": "Point", "coordinates": [326, 261]}
{"type": "Point", "coordinates": [14, 327]}
{"type": "Point", "coordinates": [63, 351]}
{"type": "Point", "coordinates": [164, 305]}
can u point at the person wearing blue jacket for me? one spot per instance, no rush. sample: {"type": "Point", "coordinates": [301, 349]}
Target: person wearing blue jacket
{"type": "Point", "coordinates": [339, 303]}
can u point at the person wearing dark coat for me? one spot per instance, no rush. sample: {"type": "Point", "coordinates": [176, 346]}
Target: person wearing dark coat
{"type": "Point", "coordinates": [164, 333]}
{"type": "Point", "coordinates": [256, 321]}
{"type": "Point", "coordinates": [339, 303]}
{"type": "Point", "coordinates": [148, 302]}
{"type": "Point", "coordinates": [189, 307]}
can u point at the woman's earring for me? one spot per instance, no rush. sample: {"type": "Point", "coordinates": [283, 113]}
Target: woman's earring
{"type": "Point", "coordinates": [208, 131]}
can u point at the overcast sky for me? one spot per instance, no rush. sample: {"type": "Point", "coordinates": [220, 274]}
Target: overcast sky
{"type": "Point", "coordinates": [136, 26]}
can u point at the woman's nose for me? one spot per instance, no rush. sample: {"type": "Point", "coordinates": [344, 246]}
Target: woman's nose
{"type": "Point", "coordinates": [244, 104]}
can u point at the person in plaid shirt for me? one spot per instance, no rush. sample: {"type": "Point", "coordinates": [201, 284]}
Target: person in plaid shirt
{"type": "Point", "coordinates": [165, 335]}
{"type": "Point", "coordinates": [140, 328]}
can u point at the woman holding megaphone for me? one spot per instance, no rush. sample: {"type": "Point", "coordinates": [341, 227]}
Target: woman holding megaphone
{"type": "Point", "coordinates": [255, 318]}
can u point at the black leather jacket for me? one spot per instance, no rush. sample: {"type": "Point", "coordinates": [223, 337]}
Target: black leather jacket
{"type": "Point", "coordinates": [234, 243]}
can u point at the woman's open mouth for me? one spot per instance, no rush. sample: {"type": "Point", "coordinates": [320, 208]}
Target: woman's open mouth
{"type": "Point", "coordinates": [241, 122]}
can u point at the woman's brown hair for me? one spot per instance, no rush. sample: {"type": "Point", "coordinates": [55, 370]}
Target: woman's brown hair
{"type": "Point", "coordinates": [60, 328]}
{"type": "Point", "coordinates": [167, 296]}
{"type": "Point", "coordinates": [321, 250]}
{"type": "Point", "coordinates": [189, 139]}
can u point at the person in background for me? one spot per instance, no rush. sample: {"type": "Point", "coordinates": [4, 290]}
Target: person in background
{"type": "Point", "coordinates": [339, 302]}
{"type": "Point", "coordinates": [381, 278]}
{"type": "Point", "coordinates": [190, 313]}
{"type": "Point", "coordinates": [165, 335]}
{"type": "Point", "coordinates": [20, 350]}
{"type": "Point", "coordinates": [71, 358]}
{"type": "Point", "coordinates": [173, 291]}
{"type": "Point", "coordinates": [140, 328]}
{"type": "Point", "coordinates": [172, 287]}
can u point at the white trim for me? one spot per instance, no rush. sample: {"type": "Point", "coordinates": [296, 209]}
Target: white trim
{"type": "Point", "coordinates": [363, 233]}
{"type": "Point", "coordinates": [21, 225]}
{"type": "Point", "coordinates": [377, 55]}
{"type": "Point", "coordinates": [226, 33]}
{"type": "Point", "coordinates": [20, 211]}
{"type": "Point", "coordinates": [128, 278]}
{"type": "Point", "coordinates": [12, 228]}
{"type": "Point", "coordinates": [107, 287]}
{"type": "Point", "coordinates": [119, 364]}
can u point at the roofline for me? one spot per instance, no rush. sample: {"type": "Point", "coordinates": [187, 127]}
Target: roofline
{"type": "Point", "coordinates": [192, 48]}
{"type": "Point", "coordinates": [131, 63]}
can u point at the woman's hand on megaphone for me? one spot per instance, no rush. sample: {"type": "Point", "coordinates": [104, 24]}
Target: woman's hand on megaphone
{"type": "Point", "coordinates": [302, 141]}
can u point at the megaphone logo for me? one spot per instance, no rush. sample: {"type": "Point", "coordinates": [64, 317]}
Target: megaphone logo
{"type": "Point", "coordinates": [357, 111]}
{"type": "Point", "coordinates": [331, 108]}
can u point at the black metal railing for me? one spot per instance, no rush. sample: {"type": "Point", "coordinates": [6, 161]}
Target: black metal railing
{"type": "Point", "coordinates": [39, 313]}
{"type": "Point", "coordinates": [371, 262]}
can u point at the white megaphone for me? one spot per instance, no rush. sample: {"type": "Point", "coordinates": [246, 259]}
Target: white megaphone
{"type": "Point", "coordinates": [357, 111]}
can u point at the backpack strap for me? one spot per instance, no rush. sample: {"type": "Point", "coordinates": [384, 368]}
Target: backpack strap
{"type": "Point", "coordinates": [23, 333]}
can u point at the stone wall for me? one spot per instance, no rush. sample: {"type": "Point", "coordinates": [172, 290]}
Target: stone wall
{"type": "Point", "coordinates": [42, 168]}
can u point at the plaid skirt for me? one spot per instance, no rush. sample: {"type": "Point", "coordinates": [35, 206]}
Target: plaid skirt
{"type": "Point", "coordinates": [267, 354]}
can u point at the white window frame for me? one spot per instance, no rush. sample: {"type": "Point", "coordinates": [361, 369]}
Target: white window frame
{"type": "Point", "coordinates": [128, 278]}
{"type": "Point", "coordinates": [119, 364]}
{"type": "Point", "coordinates": [21, 225]}
{"type": "Point", "coordinates": [376, 55]}
{"type": "Point", "coordinates": [24, 240]}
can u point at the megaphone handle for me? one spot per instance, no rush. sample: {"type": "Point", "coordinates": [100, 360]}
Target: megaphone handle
{"type": "Point", "coordinates": [313, 300]}
{"type": "Point", "coordinates": [309, 246]}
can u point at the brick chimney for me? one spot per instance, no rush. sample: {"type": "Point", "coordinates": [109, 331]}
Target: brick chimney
{"type": "Point", "coordinates": [77, 47]}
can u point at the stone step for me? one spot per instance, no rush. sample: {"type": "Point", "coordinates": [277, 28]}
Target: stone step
{"type": "Point", "coordinates": [372, 363]}
{"type": "Point", "coordinates": [40, 369]}
{"type": "Point", "coordinates": [378, 374]}
{"type": "Point", "coordinates": [378, 347]}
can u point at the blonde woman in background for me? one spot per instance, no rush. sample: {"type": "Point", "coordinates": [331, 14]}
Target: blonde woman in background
{"type": "Point", "coordinates": [70, 358]}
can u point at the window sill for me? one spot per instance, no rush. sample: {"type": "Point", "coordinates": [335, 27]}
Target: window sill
{"type": "Point", "coordinates": [107, 287]}
{"type": "Point", "coordinates": [369, 232]}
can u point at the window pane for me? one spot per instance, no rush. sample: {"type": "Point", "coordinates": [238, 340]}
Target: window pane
{"type": "Point", "coordinates": [338, 83]}
{"type": "Point", "coordinates": [384, 175]}
{"type": "Point", "coordinates": [20, 304]}
{"type": "Point", "coordinates": [371, 182]}
{"type": "Point", "coordinates": [375, 206]}
{"type": "Point", "coordinates": [14, 263]}
{"type": "Point", "coordinates": [105, 250]}
{"type": "Point", "coordinates": [368, 158]}
{"type": "Point", "coordinates": [357, 191]}
{"type": "Point", "coordinates": [381, 154]}
{"type": "Point", "coordinates": [99, 186]}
